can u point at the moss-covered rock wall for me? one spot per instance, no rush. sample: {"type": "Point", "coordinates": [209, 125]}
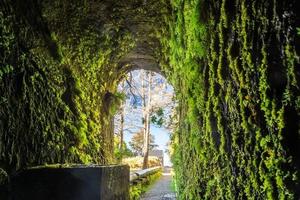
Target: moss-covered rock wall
{"type": "Point", "coordinates": [60, 64]}
{"type": "Point", "coordinates": [236, 68]}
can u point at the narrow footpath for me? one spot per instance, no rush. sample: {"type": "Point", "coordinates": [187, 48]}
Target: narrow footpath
{"type": "Point", "coordinates": [161, 190]}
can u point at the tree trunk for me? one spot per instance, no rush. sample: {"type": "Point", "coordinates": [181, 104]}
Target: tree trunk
{"type": "Point", "coordinates": [144, 121]}
{"type": "Point", "coordinates": [147, 123]}
{"type": "Point", "coordinates": [121, 133]}
{"type": "Point", "coordinates": [122, 126]}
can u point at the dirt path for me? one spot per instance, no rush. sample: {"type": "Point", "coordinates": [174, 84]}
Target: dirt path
{"type": "Point", "coordinates": [161, 190]}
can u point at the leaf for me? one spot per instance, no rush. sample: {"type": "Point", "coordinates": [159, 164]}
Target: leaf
{"type": "Point", "coordinates": [298, 31]}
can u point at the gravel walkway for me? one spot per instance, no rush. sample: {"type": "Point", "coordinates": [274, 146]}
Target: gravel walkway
{"type": "Point", "coordinates": [161, 190]}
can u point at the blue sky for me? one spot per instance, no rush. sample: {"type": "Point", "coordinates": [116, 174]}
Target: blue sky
{"type": "Point", "coordinates": [161, 97]}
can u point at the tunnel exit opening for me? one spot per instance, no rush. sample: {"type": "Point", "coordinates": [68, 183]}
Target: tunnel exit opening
{"type": "Point", "coordinates": [145, 120]}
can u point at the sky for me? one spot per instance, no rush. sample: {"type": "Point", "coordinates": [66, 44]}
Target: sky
{"type": "Point", "coordinates": [162, 92]}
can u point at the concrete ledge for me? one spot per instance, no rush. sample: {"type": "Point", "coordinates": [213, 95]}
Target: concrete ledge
{"type": "Point", "coordinates": [137, 175]}
{"type": "Point", "coordinates": [72, 183]}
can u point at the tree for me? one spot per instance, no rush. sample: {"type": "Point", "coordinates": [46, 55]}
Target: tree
{"type": "Point", "coordinates": [149, 100]}
{"type": "Point", "coordinates": [122, 152]}
{"type": "Point", "coordinates": [120, 126]}
{"type": "Point", "coordinates": [146, 118]}
{"type": "Point", "coordinates": [137, 143]}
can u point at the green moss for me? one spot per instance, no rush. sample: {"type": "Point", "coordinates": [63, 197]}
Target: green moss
{"type": "Point", "coordinates": [136, 190]}
{"type": "Point", "coordinates": [232, 121]}
{"type": "Point", "coordinates": [57, 105]}
{"type": "Point", "coordinates": [234, 73]}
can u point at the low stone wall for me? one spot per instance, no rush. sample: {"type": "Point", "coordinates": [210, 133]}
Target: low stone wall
{"type": "Point", "coordinates": [72, 183]}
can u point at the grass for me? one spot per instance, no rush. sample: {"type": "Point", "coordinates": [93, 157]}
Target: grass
{"type": "Point", "coordinates": [173, 186]}
{"type": "Point", "coordinates": [140, 188]}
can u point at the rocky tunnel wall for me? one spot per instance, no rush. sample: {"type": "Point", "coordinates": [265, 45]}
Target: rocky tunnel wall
{"type": "Point", "coordinates": [61, 62]}
{"type": "Point", "coordinates": [234, 66]}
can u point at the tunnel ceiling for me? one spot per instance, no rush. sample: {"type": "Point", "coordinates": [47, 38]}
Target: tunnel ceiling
{"type": "Point", "coordinates": [140, 20]}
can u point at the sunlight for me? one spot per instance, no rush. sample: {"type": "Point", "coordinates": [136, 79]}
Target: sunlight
{"type": "Point", "coordinates": [148, 107]}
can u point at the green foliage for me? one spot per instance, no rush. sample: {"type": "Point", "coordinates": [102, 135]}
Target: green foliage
{"type": "Point", "coordinates": [233, 138]}
{"type": "Point", "coordinates": [173, 186]}
{"type": "Point", "coordinates": [57, 88]}
{"type": "Point", "coordinates": [126, 152]}
{"type": "Point", "coordinates": [137, 142]}
{"type": "Point", "coordinates": [136, 190]}
{"type": "Point", "coordinates": [158, 118]}
{"type": "Point", "coordinates": [6, 44]}
{"type": "Point", "coordinates": [3, 177]}
{"type": "Point", "coordinates": [29, 107]}
{"type": "Point", "coordinates": [234, 73]}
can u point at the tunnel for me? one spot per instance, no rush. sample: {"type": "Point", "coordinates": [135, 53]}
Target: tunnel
{"type": "Point", "coordinates": [234, 66]}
